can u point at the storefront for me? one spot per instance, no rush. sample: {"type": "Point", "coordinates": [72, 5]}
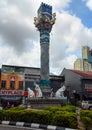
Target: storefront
{"type": "Point", "coordinates": [15, 81]}
{"type": "Point", "coordinates": [79, 84]}
{"type": "Point", "coordinates": [11, 98]}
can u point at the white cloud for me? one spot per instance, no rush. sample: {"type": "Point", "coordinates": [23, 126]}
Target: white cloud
{"type": "Point", "coordinates": [69, 34]}
{"type": "Point", "coordinates": [30, 58]}
{"type": "Point", "coordinates": [89, 4]}
{"type": "Point", "coordinates": [19, 40]}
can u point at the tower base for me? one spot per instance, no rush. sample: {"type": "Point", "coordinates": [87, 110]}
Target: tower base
{"type": "Point", "coordinates": [42, 103]}
{"type": "Point", "coordinates": [46, 91]}
{"type": "Point", "coordinates": [45, 88]}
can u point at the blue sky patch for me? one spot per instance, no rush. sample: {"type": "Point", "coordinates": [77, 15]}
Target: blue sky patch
{"type": "Point", "coordinates": [79, 9]}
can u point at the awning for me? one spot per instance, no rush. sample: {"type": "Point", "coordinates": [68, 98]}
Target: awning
{"type": "Point", "coordinates": [11, 98]}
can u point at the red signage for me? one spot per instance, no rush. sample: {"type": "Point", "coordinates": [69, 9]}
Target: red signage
{"type": "Point", "coordinates": [11, 92]}
{"type": "Point", "coordinates": [26, 93]}
{"type": "Point", "coordinates": [89, 90]}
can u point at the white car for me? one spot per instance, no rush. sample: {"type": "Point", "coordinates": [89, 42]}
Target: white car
{"type": "Point", "coordinates": [1, 108]}
{"type": "Point", "coordinates": [87, 104]}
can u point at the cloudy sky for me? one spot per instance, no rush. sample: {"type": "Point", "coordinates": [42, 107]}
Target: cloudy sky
{"type": "Point", "coordinates": [19, 39]}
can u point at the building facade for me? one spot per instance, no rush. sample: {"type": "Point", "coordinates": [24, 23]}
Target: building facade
{"type": "Point", "coordinates": [15, 81]}
{"type": "Point", "coordinates": [79, 65]}
{"type": "Point", "coordinates": [78, 83]}
{"type": "Point", "coordinates": [84, 64]}
{"type": "Point", "coordinates": [85, 52]}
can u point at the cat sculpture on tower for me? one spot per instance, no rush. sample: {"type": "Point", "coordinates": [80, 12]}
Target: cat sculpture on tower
{"type": "Point", "coordinates": [60, 92]}
{"type": "Point", "coordinates": [38, 90]}
{"type": "Point", "coordinates": [30, 93]}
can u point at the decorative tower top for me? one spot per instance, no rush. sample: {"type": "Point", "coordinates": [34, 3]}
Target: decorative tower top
{"type": "Point", "coordinates": [45, 18]}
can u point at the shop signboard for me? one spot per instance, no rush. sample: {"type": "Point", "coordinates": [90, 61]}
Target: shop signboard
{"type": "Point", "coordinates": [12, 92]}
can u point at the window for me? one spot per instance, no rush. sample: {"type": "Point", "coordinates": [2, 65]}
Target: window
{"type": "Point", "coordinates": [12, 84]}
{"type": "Point", "coordinates": [20, 84]}
{"type": "Point", "coordinates": [3, 84]}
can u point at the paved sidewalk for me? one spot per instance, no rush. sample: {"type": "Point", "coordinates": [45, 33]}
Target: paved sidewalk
{"type": "Point", "coordinates": [80, 124]}
{"type": "Point", "coordinates": [34, 125]}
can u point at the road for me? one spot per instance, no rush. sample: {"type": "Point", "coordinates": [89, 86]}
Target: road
{"type": "Point", "coordinates": [7, 127]}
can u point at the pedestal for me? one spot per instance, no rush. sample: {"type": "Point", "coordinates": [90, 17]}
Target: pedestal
{"type": "Point", "coordinates": [42, 103]}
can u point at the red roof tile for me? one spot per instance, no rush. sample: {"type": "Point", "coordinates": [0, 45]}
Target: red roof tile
{"type": "Point", "coordinates": [86, 74]}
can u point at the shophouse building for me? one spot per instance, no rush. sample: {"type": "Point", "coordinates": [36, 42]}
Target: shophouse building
{"type": "Point", "coordinates": [15, 81]}
{"type": "Point", "coordinates": [78, 83]}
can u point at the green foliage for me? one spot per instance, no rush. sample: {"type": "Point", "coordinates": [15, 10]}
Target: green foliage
{"type": "Point", "coordinates": [36, 116]}
{"type": "Point", "coordinates": [53, 109]}
{"type": "Point", "coordinates": [64, 116]}
{"type": "Point", "coordinates": [87, 121]}
{"type": "Point", "coordinates": [31, 116]}
{"type": "Point", "coordinates": [86, 113]}
{"type": "Point", "coordinates": [1, 114]}
{"type": "Point", "coordinates": [18, 108]}
{"type": "Point", "coordinates": [86, 117]}
{"type": "Point", "coordinates": [68, 108]}
{"type": "Point", "coordinates": [11, 115]}
{"type": "Point", "coordinates": [65, 119]}
{"type": "Point", "coordinates": [59, 116]}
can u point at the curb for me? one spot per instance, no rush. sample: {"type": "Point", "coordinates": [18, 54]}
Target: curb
{"type": "Point", "coordinates": [34, 125]}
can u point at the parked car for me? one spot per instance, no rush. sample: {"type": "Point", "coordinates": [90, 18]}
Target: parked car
{"type": "Point", "coordinates": [1, 108]}
{"type": "Point", "coordinates": [87, 104]}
